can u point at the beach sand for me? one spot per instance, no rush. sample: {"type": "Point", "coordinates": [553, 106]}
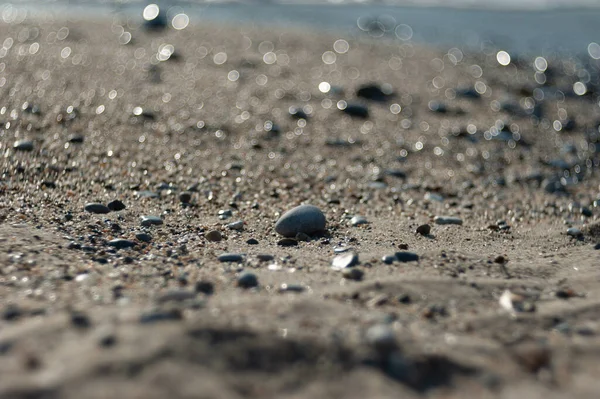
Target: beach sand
{"type": "Point", "coordinates": [107, 121]}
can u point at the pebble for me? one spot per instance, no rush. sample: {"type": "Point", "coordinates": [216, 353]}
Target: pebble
{"type": "Point", "coordinates": [116, 205]}
{"type": "Point", "coordinates": [76, 138]}
{"type": "Point", "coordinates": [433, 197]}
{"type": "Point", "coordinates": [80, 320]}
{"type": "Point", "coordinates": [358, 110]}
{"type": "Point", "coordinates": [225, 214]}
{"type": "Point", "coordinates": [151, 221]}
{"type": "Point", "coordinates": [358, 220]}
{"type": "Point", "coordinates": [291, 288]}
{"type": "Point", "coordinates": [231, 258]}
{"type": "Point", "coordinates": [597, 246]}
{"type": "Point", "coordinates": [298, 113]}
{"type": "Point", "coordinates": [252, 241]}
{"type": "Point", "coordinates": [96, 208]}
{"type": "Point", "coordinates": [404, 256]}
{"type": "Point", "coordinates": [143, 237]}
{"type": "Point", "coordinates": [287, 242]}
{"type": "Point", "coordinates": [447, 220]}
{"type": "Point", "coordinates": [121, 243]}
{"type": "Point", "coordinates": [176, 296]}
{"type": "Point", "coordinates": [247, 280]}
{"type": "Point", "coordinates": [23, 145]}
{"type": "Point", "coordinates": [185, 197]}
{"type": "Point", "coordinates": [237, 225]}
{"type": "Point", "coordinates": [158, 316]}
{"type": "Point", "coordinates": [307, 219]}
{"type": "Point", "coordinates": [389, 259]}
{"type": "Point", "coordinates": [344, 261]}
{"type": "Point", "coordinates": [205, 287]}
{"type": "Point", "coordinates": [439, 107]}
{"type": "Point", "coordinates": [214, 236]}
{"type": "Point", "coordinates": [374, 92]}
{"type": "Point", "coordinates": [424, 229]}
{"type": "Point", "coordinates": [574, 232]}
{"type": "Point", "coordinates": [147, 194]}
{"type": "Point", "coordinates": [353, 274]}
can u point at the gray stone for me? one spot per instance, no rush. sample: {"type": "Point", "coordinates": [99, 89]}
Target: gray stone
{"type": "Point", "coordinates": [214, 236]}
{"type": "Point", "coordinates": [424, 229]}
{"type": "Point", "coordinates": [405, 256]}
{"type": "Point", "coordinates": [448, 220]}
{"type": "Point", "coordinates": [96, 208]}
{"type": "Point", "coordinates": [23, 145]}
{"type": "Point", "coordinates": [307, 219]}
{"type": "Point", "coordinates": [121, 243]}
{"type": "Point", "coordinates": [176, 296]}
{"type": "Point", "coordinates": [291, 288]}
{"type": "Point", "coordinates": [116, 205]}
{"type": "Point", "coordinates": [185, 197]}
{"type": "Point", "coordinates": [247, 280]}
{"type": "Point", "coordinates": [143, 237]}
{"type": "Point", "coordinates": [382, 338]}
{"type": "Point", "coordinates": [265, 257]}
{"type": "Point", "coordinates": [353, 274]}
{"type": "Point", "coordinates": [287, 242]}
{"type": "Point", "coordinates": [151, 221]}
{"type": "Point", "coordinates": [344, 261]}
{"type": "Point", "coordinates": [574, 232]}
{"type": "Point", "coordinates": [231, 258]}
{"type": "Point", "coordinates": [358, 220]}
{"type": "Point", "coordinates": [237, 225]}
{"type": "Point", "coordinates": [388, 259]}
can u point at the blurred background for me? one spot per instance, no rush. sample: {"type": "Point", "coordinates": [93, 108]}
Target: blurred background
{"type": "Point", "coordinates": [540, 27]}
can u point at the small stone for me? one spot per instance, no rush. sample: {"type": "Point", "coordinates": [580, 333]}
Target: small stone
{"type": "Point", "coordinates": [247, 280]}
{"type": "Point", "coordinates": [287, 242]}
{"type": "Point", "coordinates": [116, 205]}
{"type": "Point", "coordinates": [151, 221]}
{"type": "Point", "coordinates": [597, 246]}
{"type": "Point", "coordinates": [388, 259]}
{"type": "Point", "coordinates": [500, 259]}
{"type": "Point", "coordinates": [424, 229]}
{"type": "Point", "coordinates": [160, 316]}
{"type": "Point", "coordinates": [214, 236]}
{"type": "Point", "coordinates": [76, 138]}
{"type": "Point", "coordinates": [252, 241]}
{"type": "Point", "coordinates": [404, 256]}
{"type": "Point", "coordinates": [23, 145]}
{"type": "Point", "coordinates": [80, 320]}
{"type": "Point", "coordinates": [143, 237]}
{"type": "Point", "coordinates": [237, 225]}
{"type": "Point", "coordinates": [344, 261]}
{"type": "Point", "coordinates": [96, 208]}
{"type": "Point", "coordinates": [265, 257]}
{"type": "Point", "coordinates": [185, 197]}
{"type": "Point", "coordinates": [238, 258]}
{"type": "Point", "coordinates": [225, 214]}
{"type": "Point", "coordinates": [574, 232]}
{"type": "Point", "coordinates": [298, 113]}
{"type": "Point", "coordinates": [447, 220]}
{"type": "Point", "coordinates": [374, 92]}
{"type": "Point", "coordinates": [147, 194]}
{"type": "Point", "coordinates": [403, 246]}
{"type": "Point", "coordinates": [358, 220]}
{"type": "Point", "coordinates": [205, 287]}
{"type": "Point", "coordinates": [353, 274]}
{"type": "Point", "coordinates": [307, 219]}
{"type": "Point", "coordinates": [120, 243]}
{"type": "Point", "coordinates": [357, 110]}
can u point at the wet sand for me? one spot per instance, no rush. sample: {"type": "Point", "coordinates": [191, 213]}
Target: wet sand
{"type": "Point", "coordinates": [505, 304]}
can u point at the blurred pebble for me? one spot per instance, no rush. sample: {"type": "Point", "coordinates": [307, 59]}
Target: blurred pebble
{"type": "Point", "coordinates": [447, 220]}
{"type": "Point", "coordinates": [151, 221]}
{"type": "Point", "coordinates": [247, 280]}
{"type": "Point", "coordinates": [307, 219]}
{"type": "Point", "coordinates": [96, 208]}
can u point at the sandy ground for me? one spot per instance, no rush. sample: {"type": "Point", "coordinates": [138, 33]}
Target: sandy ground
{"type": "Point", "coordinates": [82, 319]}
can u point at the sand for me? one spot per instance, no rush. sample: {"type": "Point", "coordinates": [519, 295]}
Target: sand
{"type": "Point", "coordinates": [83, 320]}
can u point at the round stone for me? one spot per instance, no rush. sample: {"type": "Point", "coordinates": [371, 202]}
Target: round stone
{"type": "Point", "coordinates": [447, 220]}
{"type": "Point", "coordinates": [231, 258]}
{"type": "Point", "coordinates": [574, 232]}
{"type": "Point", "coordinates": [120, 243]}
{"type": "Point", "coordinates": [344, 261]}
{"type": "Point", "coordinates": [358, 220]}
{"type": "Point", "coordinates": [185, 197]}
{"type": "Point", "coordinates": [247, 280]}
{"type": "Point", "coordinates": [151, 221]}
{"type": "Point", "coordinates": [353, 274]}
{"type": "Point", "coordinates": [143, 237]}
{"type": "Point", "coordinates": [214, 236]}
{"type": "Point", "coordinates": [237, 225]}
{"type": "Point", "coordinates": [404, 256]}
{"type": "Point", "coordinates": [96, 208]}
{"type": "Point", "coordinates": [307, 219]}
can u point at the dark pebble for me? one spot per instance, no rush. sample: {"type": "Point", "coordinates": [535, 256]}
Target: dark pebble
{"type": "Point", "coordinates": [307, 219]}
{"type": "Point", "coordinates": [176, 296]}
{"type": "Point", "coordinates": [287, 242]}
{"type": "Point", "coordinates": [151, 221]}
{"type": "Point", "coordinates": [120, 243]}
{"type": "Point", "coordinates": [185, 197]}
{"type": "Point", "coordinates": [291, 288]}
{"type": "Point", "coordinates": [214, 236]}
{"type": "Point", "coordinates": [424, 229]}
{"type": "Point", "coordinates": [231, 258]}
{"type": "Point", "coordinates": [205, 287]}
{"type": "Point", "coordinates": [11, 313]}
{"type": "Point", "coordinates": [252, 241]}
{"type": "Point", "coordinates": [373, 92]}
{"type": "Point", "coordinates": [96, 208]}
{"type": "Point", "coordinates": [597, 246]}
{"type": "Point", "coordinates": [80, 320]}
{"type": "Point", "coordinates": [143, 237]}
{"type": "Point", "coordinates": [154, 317]}
{"type": "Point", "coordinates": [357, 110]}
{"type": "Point", "coordinates": [76, 138]}
{"type": "Point", "coordinates": [265, 257]}
{"type": "Point", "coordinates": [48, 184]}
{"type": "Point", "coordinates": [247, 280]}
{"type": "Point", "coordinates": [107, 341]}
{"type": "Point", "coordinates": [388, 259]}
{"type": "Point", "coordinates": [353, 274]}
{"type": "Point", "coordinates": [404, 256]}
{"type": "Point", "coordinates": [298, 113]}
{"type": "Point", "coordinates": [436, 106]}
{"type": "Point", "coordinates": [23, 145]}
{"type": "Point", "coordinates": [116, 205]}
